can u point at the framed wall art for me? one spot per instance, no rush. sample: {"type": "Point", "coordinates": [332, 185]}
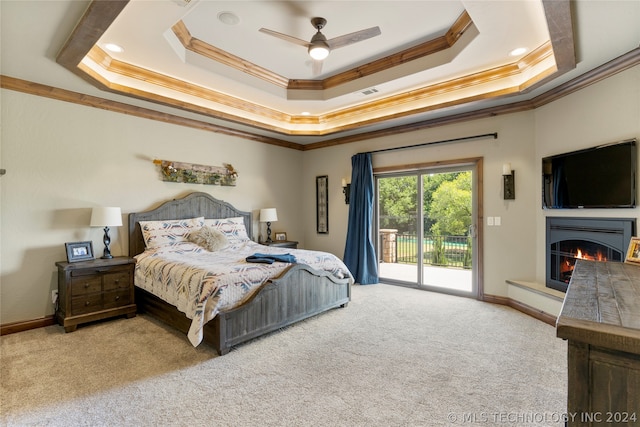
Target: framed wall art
{"type": "Point", "coordinates": [322, 204]}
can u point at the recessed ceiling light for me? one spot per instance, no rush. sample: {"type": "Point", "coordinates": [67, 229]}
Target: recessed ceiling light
{"type": "Point", "coordinates": [518, 51]}
{"type": "Point", "coordinates": [305, 113]}
{"type": "Point", "coordinates": [228, 18]}
{"type": "Point", "coordinates": [112, 47]}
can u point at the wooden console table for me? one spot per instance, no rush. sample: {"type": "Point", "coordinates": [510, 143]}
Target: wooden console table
{"type": "Point", "coordinates": [600, 318]}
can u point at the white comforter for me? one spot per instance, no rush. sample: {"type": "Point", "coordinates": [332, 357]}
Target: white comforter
{"type": "Point", "coordinates": [201, 283]}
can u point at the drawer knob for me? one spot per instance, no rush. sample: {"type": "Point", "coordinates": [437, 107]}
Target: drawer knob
{"type": "Point", "coordinates": [117, 297]}
{"type": "Point", "coordinates": [87, 304]}
{"type": "Point", "coordinates": [86, 285]}
{"type": "Point", "coordinates": [116, 281]}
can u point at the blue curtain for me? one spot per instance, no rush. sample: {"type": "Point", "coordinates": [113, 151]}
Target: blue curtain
{"type": "Point", "coordinates": [359, 253]}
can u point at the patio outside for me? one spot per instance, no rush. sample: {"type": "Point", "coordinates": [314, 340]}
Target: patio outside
{"type": "Point", "coordinates": [446, 260]}
{"type": "Point", "coordinates": [425, 220]}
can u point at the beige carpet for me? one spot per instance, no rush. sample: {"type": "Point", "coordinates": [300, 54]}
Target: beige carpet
{"type": "Point", "coordinates": [394, 357]}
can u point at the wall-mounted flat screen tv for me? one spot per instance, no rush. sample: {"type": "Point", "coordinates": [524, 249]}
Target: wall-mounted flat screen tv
{"type": "Point", "coordinates": [598, 177]}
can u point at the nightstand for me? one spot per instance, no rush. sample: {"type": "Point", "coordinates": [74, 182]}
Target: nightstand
{"type": "Point", "coordinates": [94, 290]}
{"type": "Point", "coordinates": [282, 244]}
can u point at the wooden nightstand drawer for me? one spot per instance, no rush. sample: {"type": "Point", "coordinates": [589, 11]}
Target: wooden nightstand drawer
{"type": "Point", "coordinates": [86, 304]}
{"type": "Point", "coordinates": [86, 285]}
{"type": "Point", "coordinates": [94, 290]}
{"type": "Point", "coordinates": [98, 269]}
{"type": "Point", "coordinates": [116, 299]}
{"type": "Point", "coordinates": [117, 281]}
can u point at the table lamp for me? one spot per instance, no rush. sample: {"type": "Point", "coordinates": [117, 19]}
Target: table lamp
{"type": "Point", "coordinates": [268, 215]}
{"type": "Point", "coordinates": [106, 217]}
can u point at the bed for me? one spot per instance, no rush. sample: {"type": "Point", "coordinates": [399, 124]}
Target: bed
{"type": "Point", "coordinates": [287, 293]}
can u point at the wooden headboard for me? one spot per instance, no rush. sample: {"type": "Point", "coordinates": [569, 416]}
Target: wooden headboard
{"type": "Point", "coordinates": [190, 206]}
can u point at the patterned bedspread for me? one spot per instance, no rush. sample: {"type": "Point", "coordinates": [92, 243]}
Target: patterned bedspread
{"type": "Point", "coordinates": [201, 283]}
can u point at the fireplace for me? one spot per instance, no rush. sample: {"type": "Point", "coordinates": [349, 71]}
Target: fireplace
{"type": "Point", "coordinates": [569, 239]}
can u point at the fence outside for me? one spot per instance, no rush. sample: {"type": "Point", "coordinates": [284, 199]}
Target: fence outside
{"type": "Point", "coordinates": [445, 251]}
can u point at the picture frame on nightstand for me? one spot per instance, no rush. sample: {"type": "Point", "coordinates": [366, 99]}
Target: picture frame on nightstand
{"type": "Point", "coordinates": [633, 253]}
{"type": "Point", "coordinates": [281, 236]}
{"type": "Point", "coordinates": [79, 251]}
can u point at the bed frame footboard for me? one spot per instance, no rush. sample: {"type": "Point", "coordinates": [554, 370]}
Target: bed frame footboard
{"type": "Point", "coordinates": [299, 293]}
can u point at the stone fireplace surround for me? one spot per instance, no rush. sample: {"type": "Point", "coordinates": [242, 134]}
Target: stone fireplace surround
{"type": "Point", "coordinates": [603, 239]}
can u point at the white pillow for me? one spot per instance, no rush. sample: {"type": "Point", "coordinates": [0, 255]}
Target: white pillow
{"type": "Point", "coordinates": [233, 229]}
{"type": "Point", "coordinates": [167, 232]}
{"type": "Point", "coordinates": [209, 238]}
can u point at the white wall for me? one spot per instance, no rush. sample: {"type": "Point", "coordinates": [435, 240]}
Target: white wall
{"type": "Point", "coordinates": [602, 113]}
{"type": "Point", "coordinates": [515, 144]}
{"type": "Point", "coordinates": [63, 159]}
{"type": "Point", "coordinates": [605, 112]}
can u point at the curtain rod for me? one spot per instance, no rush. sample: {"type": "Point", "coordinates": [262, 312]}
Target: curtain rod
{"type": "Point", "coordinates": [444, 141]}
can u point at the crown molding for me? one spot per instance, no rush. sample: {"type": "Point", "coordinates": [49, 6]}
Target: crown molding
{"type": "Point", "coordinates": [626, 61]}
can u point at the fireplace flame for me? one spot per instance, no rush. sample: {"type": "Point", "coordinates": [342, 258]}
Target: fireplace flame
{"type": "Point", "coordinates": [568, 263]}
{"type": "Point", "coordinates": [597, 257]}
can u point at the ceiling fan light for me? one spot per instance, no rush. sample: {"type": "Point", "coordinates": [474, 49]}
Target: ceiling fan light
{"type": "Point", "coordinates": [318, 51]}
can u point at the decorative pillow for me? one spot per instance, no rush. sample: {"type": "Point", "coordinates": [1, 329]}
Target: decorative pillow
{"type": "Point", "coordinates": [233, 228]}
{"type": "Point", "coordinates": [209, 238]}
{"type": "Point", "coordinates": [161, 233]}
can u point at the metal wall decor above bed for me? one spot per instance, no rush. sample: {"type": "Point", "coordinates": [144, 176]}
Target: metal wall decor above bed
{"type": "Point", "coordinates": [191, 173]}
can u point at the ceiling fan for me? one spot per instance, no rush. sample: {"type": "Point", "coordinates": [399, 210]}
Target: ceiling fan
{"type": "Point", "coordinates": [319, 47]}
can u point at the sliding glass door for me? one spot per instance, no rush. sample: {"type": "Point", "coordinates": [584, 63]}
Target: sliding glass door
{"type": "Point", "coordinates": [399, 227]}
{"type": "Point", "coordinates": [426, 230]}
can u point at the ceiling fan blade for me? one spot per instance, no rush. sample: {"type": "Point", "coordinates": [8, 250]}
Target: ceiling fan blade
{"type": "Point", "coordinates": [316, 67]}
{"type": "Point", "coordinates": [351, 38]}
{"type": "Point", "coordinates": [285, 37]}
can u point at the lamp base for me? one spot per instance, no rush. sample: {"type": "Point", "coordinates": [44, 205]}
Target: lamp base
{"type": "Point", "coordinates": [107, 240]}
{"type": "Point", "coordinates": [269, 233]}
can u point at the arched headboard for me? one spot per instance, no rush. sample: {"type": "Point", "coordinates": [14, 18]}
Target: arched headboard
{"type": "Point", "coordinates": [190, 206]}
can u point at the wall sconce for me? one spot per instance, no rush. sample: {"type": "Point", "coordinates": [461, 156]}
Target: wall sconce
{"type": "Point", "coordinates": [346, 189]}
{"type": "Point", "coordinates": [509, 182]}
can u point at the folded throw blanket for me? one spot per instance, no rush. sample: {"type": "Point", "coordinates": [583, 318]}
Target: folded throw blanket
{"type": "Point", "coordinates": [271, 258]}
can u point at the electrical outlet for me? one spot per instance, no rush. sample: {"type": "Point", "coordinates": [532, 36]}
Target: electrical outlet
{"type": "Point", "coordinates": [497, 221]}
{"type": "Point", "coordinates": [54, 296]}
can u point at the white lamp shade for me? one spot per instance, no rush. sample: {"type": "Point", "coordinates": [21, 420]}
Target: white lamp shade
{"type": "Point", "coordinates": [106, 217]}
{"type": "Point", "coordinates": [268, 215]}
